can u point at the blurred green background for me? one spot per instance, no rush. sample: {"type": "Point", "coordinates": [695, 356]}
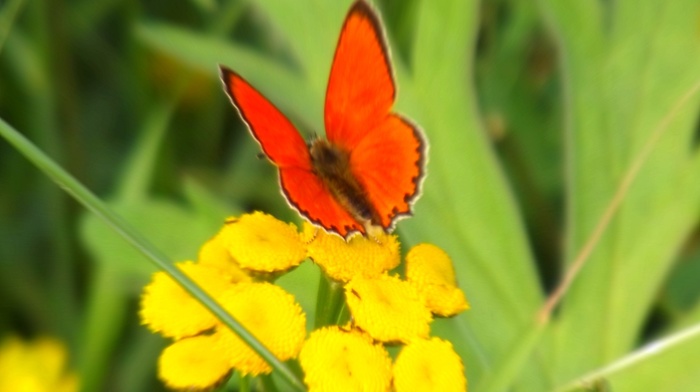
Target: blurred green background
{"type": "Point", "coordinates": [536, 113]}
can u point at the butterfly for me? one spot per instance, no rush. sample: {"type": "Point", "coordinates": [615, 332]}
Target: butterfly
{"type": "Point", "coordinates": [368, 171]}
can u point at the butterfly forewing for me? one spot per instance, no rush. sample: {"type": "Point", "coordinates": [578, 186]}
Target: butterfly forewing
{"type": "Point", "coordinates": [309, 196]}
{"type": "Point", "coordinates": [277, 136]}
{"type": "Point", "coordinates": [360, 88]}
{"type": "Point", "coordinates": [285, 147]}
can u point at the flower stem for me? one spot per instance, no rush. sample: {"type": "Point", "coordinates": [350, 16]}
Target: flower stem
{"type": "Point", "coordinates": [330, 302]}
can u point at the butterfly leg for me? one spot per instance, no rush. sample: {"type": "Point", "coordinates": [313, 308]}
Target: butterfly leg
{"type": "Point", "coordinates": [373, 231]}
{"type": "Point", "coordinates": [313, 236]}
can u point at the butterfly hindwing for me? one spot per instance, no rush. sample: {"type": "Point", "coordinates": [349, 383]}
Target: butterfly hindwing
{"type": "Point", "coordinates": [308, 195]}
{"type": "Point", "coordinates": [397, 148]}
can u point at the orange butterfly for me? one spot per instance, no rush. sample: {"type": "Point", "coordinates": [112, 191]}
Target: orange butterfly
{"type": "Point", "coordinates": [368, 172]}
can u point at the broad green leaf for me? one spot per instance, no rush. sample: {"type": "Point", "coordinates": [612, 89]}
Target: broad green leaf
{"type": "Point", "coordinates": [467, 207]}
{"type": "Point", "coordinates": [311, 31]}
{"type": "Point", "coordinates": [207, 205]}
{"type": "Point", "coordinates": [627, 67]}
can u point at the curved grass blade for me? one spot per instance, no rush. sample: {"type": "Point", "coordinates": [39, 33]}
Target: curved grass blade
{"type": "Point", "coordinates": [94, 204]}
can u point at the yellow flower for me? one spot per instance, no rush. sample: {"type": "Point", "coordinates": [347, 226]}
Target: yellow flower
{"type": "Point", "coordinates": [359, 256]}
{"type": "Point", "coordinates": [214, 253]}
{"type": "Point", "coordinates": [429, 365]}
{"type": "Point", "coordinates": [194, 364]}
{"type": "Point", "coordinates": [337, 360]}
{"type": "Point", "coordinates": [261, 243]}
{"type": "Point", "coordinates": [430, 269]}
{"type": "Point", "coordinates": [38, 366]}
{"type": "Point", "coordinates": [267, 311]}
{"type": "Point", "coordinates": [272, 315]}
{"type": "Point", "coordinates": [387, 308]}
{"type": "Point", "coordinates": [167, 308]}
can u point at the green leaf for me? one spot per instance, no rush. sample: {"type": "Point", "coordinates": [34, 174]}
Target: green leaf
{"type": "Point", "coordinates": [627, 68]}
{"type": "Point", "coordinates": [311, 31]}
{"type": "Point", "coordinates": [467, 208]}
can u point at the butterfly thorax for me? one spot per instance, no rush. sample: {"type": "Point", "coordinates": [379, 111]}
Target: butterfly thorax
{"type": "Point", "coordinates": [331, 163]}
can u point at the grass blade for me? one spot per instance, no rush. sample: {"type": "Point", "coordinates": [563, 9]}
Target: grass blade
{"type": "Point", "coordinates": [94, 204]}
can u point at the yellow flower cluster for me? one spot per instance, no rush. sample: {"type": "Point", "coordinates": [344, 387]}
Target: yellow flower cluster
{"type": "Point", "coordinates": [385, 310]}
{"type": "Point", "coordinates": [236, 268]}
{"type": "Point", "coordinates": [204, 351]}
{"type": "Point", "coordinates": [36, 366]}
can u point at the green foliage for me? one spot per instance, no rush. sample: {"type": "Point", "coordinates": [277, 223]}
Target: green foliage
{"type": "Point", "coordinates": [537, 114]}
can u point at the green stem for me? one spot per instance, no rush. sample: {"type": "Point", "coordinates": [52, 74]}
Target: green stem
{"type": "Point", "coordinates": [646, 353]}
{"type": "Point", "coordinates": [105, 314]}
{"type": "Point", "coordinates": [330, 302]}
{"type": "Point", "coordinates": [94, 204]}
{"type": "Point", "coordinates": [48, 131]}
{"type": "Point", "coordinates": [267, 384]}
{"type": "Point", "coordinates": [244, 384]}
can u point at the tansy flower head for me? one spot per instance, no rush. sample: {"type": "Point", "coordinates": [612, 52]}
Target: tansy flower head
{"type": "Point", "coordinates": [167, 308]}
{"type": "Point", "coordinates": [261, 243]}
{"type": "Point", "coordinates": [214, 253]}
{"type": "Point", "coordinates": [387, 308]}
{"type": "Point", "coordinates": [38, 366]}
{"type": "Point", "coordinates": [429, 365]}
{"type": "Point", "coordinates": [194, 364]}
{"type": "Point", "coordinates": [337, 360]}
{"type": "Point", "coordinates": [430, 269]}
{"type": "Point", "coordinates": [269, 313]}
{"type": "Point", "coordinates": [358, 256]}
